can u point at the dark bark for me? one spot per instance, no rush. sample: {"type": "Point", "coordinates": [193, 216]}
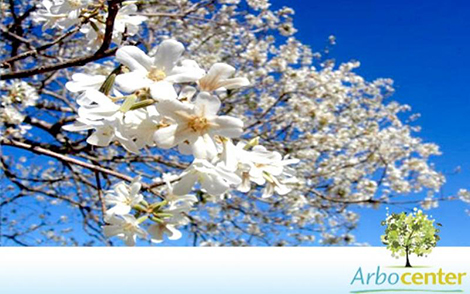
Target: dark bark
{"type": "Point", "coordinates": [408, 258]}
{"type": "Point", "coordinates": [113, 9]}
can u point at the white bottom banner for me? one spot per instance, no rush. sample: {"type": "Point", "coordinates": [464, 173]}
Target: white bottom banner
{"type": "Point", "coordinates": [231, 270]}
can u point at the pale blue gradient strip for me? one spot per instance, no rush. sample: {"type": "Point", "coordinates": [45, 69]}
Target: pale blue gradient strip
{"type": "Point", "coordinates": [208, 270]}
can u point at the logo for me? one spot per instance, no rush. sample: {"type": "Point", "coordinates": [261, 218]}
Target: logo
{"type": "Point", "coordinates": [406, 278]}
{"type": "Point", "coordinates": [407, 235]}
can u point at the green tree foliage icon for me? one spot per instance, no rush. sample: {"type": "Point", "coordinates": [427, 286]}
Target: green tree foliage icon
{"type": "Point", "coordinates": [410, 233]}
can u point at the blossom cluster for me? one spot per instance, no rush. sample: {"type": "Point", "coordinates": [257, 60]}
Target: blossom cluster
{"type": "Point", "coordinates": [147, 111]}
{"type": "Point", "coordinates": [18, 96]}
{"type": "Point", "coordinates": [464, 195]}
{"type": "Point", "coordinates": [91, 18]}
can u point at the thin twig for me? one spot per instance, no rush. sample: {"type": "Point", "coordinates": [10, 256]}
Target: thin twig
{"type": "Point", "coordinates": [43, 151]}
{"type": "Point", "coordinates": [43, 47]}
{"type": "Point", "coordinates": [71, 63]}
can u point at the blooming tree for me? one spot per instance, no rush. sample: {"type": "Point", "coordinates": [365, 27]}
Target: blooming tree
{"type": "Point", "coordinates": [153, 120]}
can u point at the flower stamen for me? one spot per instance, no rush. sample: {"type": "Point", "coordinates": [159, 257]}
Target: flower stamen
{"type": "Point", "coordinates": [156, 74]}
{"type": "Point", "coordinates": [198, 124]}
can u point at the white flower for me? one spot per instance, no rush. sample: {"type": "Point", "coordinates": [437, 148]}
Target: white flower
{"type": "Point", "coordinates": [215, 180]}
{"type": "Point", "coordinates": [81, 82]}
{"type": "Point", "coordinates": [218, 79]}
{"type": "Point", "coordinates": [60, 14]}
{"type": "Point", "coordinates": [125, 227]}
{"type": "Point", "coordinates": [167, 227]}
{"type": "Point", "coordinates": [265, 161]}
{"type": "Point", "coordinates": [20, 93]}
{"type": "Point", "coordinates": [126, 22]}
{"type": "Point", "coordinates": [140, 126]}
{"type": "Point", "coordinates": [260, 166]}
{"type": "Point", "coordinates": [95, 34]}
{"type": "Point", "coordinates": [196, 124]}
{"type": "Point", "coordinates": [44, 14]}
{"type": "Point", "coordinates": [104, 130]}
{"type": "Point", "coordinates": [123, 197]}
{"type": "Point", "coordinates": [275, 172]}
{"type": "Point", "coordinates": [241, 161]}
{"type": "Point", "coordinates": [277, 185]}
{"type": "Point", "coordinates": [101, 108]}
{"type": "Point", "coordinates": [156, 73]}
{"type": "Point", "coordinates": [133, 129]}
{"type": "Point", "coordinates": [70, 7]}
{"type": "Point", "coordinates": [157, 231]}
{"type": "Point", "coordinates": [464, 195]}
{"type": "Point", "coordinates": [11, 115]}
{"type": "Point", "coordinates": [174, 199]}
{"type": "Point", "coordinates": [429, 203]}
{"type": "Point", "coordinates": [258, 4]}
{"type": "Point", "coordinates": [177, 212]}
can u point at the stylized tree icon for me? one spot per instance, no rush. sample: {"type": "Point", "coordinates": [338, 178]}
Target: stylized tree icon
{"type": "Point", "coordinates": [410, 233]}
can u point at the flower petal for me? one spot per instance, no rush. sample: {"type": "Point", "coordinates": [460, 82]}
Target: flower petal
{"type": "Point", "coordinates": [134, 58]}
{"type": "Point", "coordinates": [99, 98]}
{"type": "Point", "coordinates": [135, 188]}
{"type": "Point", "coordinates": [185, 185]}
{"type": "Point", "coordinates": [129, 239]}
{"type": "Point", "coordinates": [173, 233]}
{"type": "Point", "coordinates": [156, 233]}
{"type": "Point", "coordinates": [133, 81]}
{"type": "Point", "coordinates": [245, 186]}
{"type": "Point", "coordinates": [168, 54]}
{"type": "Point", "coordinates": [119, 209]}
{"type": "Point", "coordinates": [163, 90]}
{"type": "Point", "coordinates": [189, 71]}
{"type": "Point", "coordinates": [207, 105]}
{"type": "Point", "coordinates": [165, 137]}
{"type": "Point", "coordinates": [82, 82]}
{"type": "Point", "coordinates": [219, 71]}
{"type": "Point", "coordinates": [229, 176]}
{"type": "Point", "coordinates": [100, 139]}
{"type": "Point", "coordinates": [227, 126]}
{"type": "Point", "coordinates": [112, 230]}
{"type": "Point", "coordinates": [178, 111]}
{"type": "Point", "coordinates": [187, 93]}
{"type": "Point", "coordinates": [234, 83]}
{"type": "Point", "coordinates": [76, 127]}
{"type": "Point", "coordinates": [204, 147]}
{"type": "Point", "coordinates": [214, 185]}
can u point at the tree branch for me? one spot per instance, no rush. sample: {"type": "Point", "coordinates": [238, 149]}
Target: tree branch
{"type": "Point", "coordinates": [71, 63]}
{"type": "Point", "coordinates": [113, 9]}
{"type": "Point", "coordinates": [43, 151]}
{"type": "Point", "coordinates": [35, 51]}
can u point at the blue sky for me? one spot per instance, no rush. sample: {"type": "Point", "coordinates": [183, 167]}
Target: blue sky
{"type": "Point", "coordinates": [424, 47]}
